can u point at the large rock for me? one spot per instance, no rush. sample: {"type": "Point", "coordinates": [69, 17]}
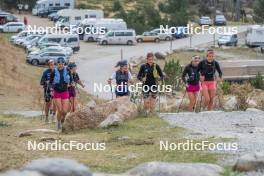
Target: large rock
{"type": "Point", "coordinates": [160, 55]}
{"type": "Point", "coordinates": [92, 117]}
{"type": "Point", "coordinates": [58, 167]}
{"type": "Point", "coordinates": [230, 103]}
{"type": "Point", "coordinates": [250, 162]}
{"type": "Point", "coordinates": [176, 169]}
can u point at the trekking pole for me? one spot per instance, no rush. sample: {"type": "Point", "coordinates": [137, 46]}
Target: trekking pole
{"type": "Point", "coordinates": [111, 90]}
{"type": "Point", "coordinates": [181, 102]}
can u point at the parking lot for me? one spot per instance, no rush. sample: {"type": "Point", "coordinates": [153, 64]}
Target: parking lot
{"type": "Point", "coordinates": [96, 62]}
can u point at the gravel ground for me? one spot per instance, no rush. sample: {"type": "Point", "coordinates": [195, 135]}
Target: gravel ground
{"type": "Point", "coordinates": [245, 128]}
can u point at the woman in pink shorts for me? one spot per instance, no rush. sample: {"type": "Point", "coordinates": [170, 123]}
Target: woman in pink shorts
{"type": "Point", "coordinates": [207, 69]}
{"type": "Point", "coordinates": [61, 79]}
{"type": "Point", "coordinates": [192, 83]}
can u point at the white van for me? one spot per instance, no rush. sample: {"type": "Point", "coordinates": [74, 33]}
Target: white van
{"type": "Point", "coordinates": [67, 40]}
{"type": "Point", "coordinates": [45, 5]}
{"type": "Point", "coordinates": [71, 17]}
{"type": "Point", "coordinates": [255, 36]}
{"type": "Point", "coordinates": [127, 37]}
{"type": "Point", "coordinates": [101, 27]}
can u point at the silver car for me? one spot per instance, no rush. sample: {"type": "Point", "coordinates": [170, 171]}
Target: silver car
{"type": "Point", "coordinates": [43, 58]}
{"type": "Point", "coordinates": [67, 50]}
{"type": "Point", "coordinates": [31, 40]}
{"type": "Point", "coordinates": [205, 20]}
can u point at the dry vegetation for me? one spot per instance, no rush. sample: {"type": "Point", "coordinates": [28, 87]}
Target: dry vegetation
{"type": "Point", "coordinates": [19, 85]}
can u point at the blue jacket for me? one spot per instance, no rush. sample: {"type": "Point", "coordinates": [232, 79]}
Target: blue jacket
{"type": "Point", "coordinates": [45, 77]}
{"type": "Point", "coordinates": [66, 76]}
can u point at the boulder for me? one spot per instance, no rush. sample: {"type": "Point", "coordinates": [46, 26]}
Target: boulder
{"type": "Point", "coordinates": [176, 169]}
{"type": "Point", "coordinates": [160, 55]}
{"type": "Point", "coordinates": [58, 167]}
{"type": "Point", "coordinates": [114, 111]}
{"type": "Point", "coordinates": [21, 173]}
{"type": "Point", "coordinates": [230, 103]}
{"type": "Point", "coordinates": [111, 120]}
{"type": "Point", "coordinates": [250, 162]}
{"type": "Point", "coordinates": [91, 104]}
{"type": "Point", "coordinates": [30, 132]}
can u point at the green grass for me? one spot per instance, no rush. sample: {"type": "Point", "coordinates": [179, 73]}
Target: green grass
{"type": "Point", "coordinates": [141, 138]}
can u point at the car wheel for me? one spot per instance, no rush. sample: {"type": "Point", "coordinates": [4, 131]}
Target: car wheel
{"type": "Point", "coordinates": [104, 42]}
{"type": "Point", "coordinates": [90, 39]}
{"type": "Point", "coordinates": [235, 44]}
{"type": "Point", "coordinates": [157, 40]}
{"type": "Point", "coordinates": [1, 30]}
{"type": "Point", "coordinates": [35, 62]}
{"type": "Point", "coordinates": [168, 38]}
{"type": "Point", "coordinates": [129, 42]}
{"type": "Point", "coordinates": [19, 30]}
{"type": "Point", "coordinates": [140, 40]}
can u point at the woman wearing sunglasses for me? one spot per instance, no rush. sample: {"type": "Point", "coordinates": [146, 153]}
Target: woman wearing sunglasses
{"type": "Point", "coordinates": [192, 84]}
{"type": "Point", "coordinates": [207, 69]}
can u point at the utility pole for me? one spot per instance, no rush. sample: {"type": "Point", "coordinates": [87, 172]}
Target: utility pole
{"type": "Point", "coordinates": [238, 11]}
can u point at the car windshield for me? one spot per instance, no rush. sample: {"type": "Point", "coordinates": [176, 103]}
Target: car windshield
{"type": "Point", "coordinates": [30, 38]}
{"type": "Point", "coordinates": [205, 18]}
{"type": "Point", "coordinates": [220, 17]}
{"type": "Point", "coordinates": [225, 37]}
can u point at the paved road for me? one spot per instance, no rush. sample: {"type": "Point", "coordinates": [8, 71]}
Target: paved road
{"type": "Point", "coordinates": [96, 62]}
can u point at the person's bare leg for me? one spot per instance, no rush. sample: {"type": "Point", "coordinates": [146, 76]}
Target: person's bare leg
{"type": "Point", "coordinates": [206, 98]}
{"type": "Point", "coordinates": [211, 102]}
{"type": "Point", "coordinates": [65, 108]}
{"type": "Point", "coordinates": [192, 101]}
{"type": "Point", "coordinates": [195, 94]}
{"type": "Point", "coordinates": [59, 109]}
{"type": "Point", "coordinates": [152, 105]}
{"type": "Point", "coordinates": [47, 108]}
{"type": "Point", "coordinates": [75, 104]}
{"type": "Point", "coordinates": [146, 104]}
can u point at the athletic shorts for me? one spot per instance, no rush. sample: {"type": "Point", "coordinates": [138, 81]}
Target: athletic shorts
{"type": "Point", "coordinates": [47, 95]}
{"type": "Point", "coordinates": [210, 85]}
{"type": "Point", "coordinates": [193, 88]}
{"type": "Point", "coordinates": [61, 95]}
{"type": "Point", "coordinates": [150, 91]}
{"type": "Point", "coordinates": [73, 92]}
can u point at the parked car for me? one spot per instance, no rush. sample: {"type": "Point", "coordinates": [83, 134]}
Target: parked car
{"type": "Point", "coordinates": [228, 40]}
{"type": "Point", "coordinates": [12, 27]}
{"type": "Point", "coordinates": [148, 37]}
{"type": "Point", "coordinates": [52, 15]}
{"type": "Point", "coordinates": [31, 40]}
{"type": "Point", "coordinates": [21, 34]}
{"type": "Point", "coordinates": [205, 20]}
{"type": "Point", "coordinates": [220, 20]}
{"type": "Point", "coordinates": [39, 47]}
{"type": "Point", "coordinates": [127, 37]}
{"type": "Point", "coordinates": [67, 50]}
{"type": "Point", "coordinates": [181, 32]}
{"type": "Point", "coordinates": [69, 40]}
{"type": "Point", "coordinates": [163, 34]}
{"type": "Point", "coordinates": [255, 36]}
{"type": "Point", "coordinates": [43, 58]}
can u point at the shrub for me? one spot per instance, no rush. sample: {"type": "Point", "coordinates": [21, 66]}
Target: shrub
{"type": "Point", "coordinates": [173, 72]}
{"type": "Point", "coordinates": [257, 82]}
{"type": "Point", "coordinates": [242, 93]}
{"type": "Point", "coordinates": [226, 88]}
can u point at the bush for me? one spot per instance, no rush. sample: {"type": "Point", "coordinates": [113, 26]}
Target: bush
{"type": "Point", "coordinates": [117, 6]}
{"type": "Point", "coordinates": [226, 88]}
{"type": "Point", "coordinates": [257, 82]}
{"type": "Point", "coordinates": [173, 72]}
{"type": "Point", "coordinates": [242, 93]}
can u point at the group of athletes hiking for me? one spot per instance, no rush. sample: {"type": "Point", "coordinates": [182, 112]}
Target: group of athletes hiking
{"type": "Point", "coordinates": [60, 90]}
{"type": "Point", "coordinates": [60, 82]}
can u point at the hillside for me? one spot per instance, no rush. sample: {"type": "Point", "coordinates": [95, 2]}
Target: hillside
{"type": "Point", "coordinates": [19, 82]}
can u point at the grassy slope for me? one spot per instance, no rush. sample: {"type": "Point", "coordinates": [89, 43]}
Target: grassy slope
{"type": "Point", "coordinates": [119, 156]}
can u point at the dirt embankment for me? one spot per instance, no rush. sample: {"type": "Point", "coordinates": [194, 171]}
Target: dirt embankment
{"type": "Point", "coordinates": [19, 82]}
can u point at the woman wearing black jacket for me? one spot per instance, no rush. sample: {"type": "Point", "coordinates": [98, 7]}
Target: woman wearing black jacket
{"type": "Point", "coordinates": [192, 84]}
